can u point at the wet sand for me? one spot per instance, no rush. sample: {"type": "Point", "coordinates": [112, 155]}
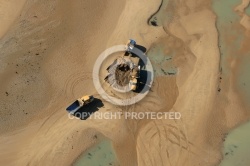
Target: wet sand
{"type": "Point", "coordinates": [47, 58]}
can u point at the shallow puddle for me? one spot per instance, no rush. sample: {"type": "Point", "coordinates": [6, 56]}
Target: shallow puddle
{"type": "Point", "coordinates": [247, 10]}
{"type": "Point", "coordinates": [231, 35]}
{"type": "Point", "coordinates": [244, 79]}
{"type": "Point", "coordinates": [101, 154]}
{"type": "Point", "coordinates": [162, 62]}
{"type": "Point", "coordinates": [161, 15]}
{"type": "Point", "coordinates": [237, 147]}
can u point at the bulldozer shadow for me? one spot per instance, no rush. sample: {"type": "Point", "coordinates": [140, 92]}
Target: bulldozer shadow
{"type": "Point", "coordinates": [86, 111]}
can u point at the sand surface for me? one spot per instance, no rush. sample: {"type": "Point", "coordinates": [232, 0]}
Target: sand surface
{"type": "Point", "coordinates": [47, 53]}
{"type": "Point", "coordinates": [9, 11]}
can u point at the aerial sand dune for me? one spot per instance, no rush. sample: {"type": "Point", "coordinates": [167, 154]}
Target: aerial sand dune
{"type": "Point", "coordinates": [47, 57]}
{"type": "Point", "coordinates": [9, 12]}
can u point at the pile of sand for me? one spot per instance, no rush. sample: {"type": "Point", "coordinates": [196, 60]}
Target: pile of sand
{"type": "Point", "coordinates": [122, 75]}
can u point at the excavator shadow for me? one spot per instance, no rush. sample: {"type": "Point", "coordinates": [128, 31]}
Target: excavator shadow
{"type": "Point", "coordinates": [86, 111]}
{"type": "Point", "coordinates": [145, 76]}
{"type": "Point", "coordinates": [143, 49]}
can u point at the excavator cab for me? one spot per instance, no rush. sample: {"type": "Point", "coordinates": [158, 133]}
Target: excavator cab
{"type": "Point", "coordinates": [130, 45]}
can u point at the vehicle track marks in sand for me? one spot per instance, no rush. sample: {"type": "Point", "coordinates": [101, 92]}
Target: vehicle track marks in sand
{"type": "Point", "coordinates": [165, 131]}
{"type": "Point", "coordinates": [75, 80]}
{"type": "Point", "coordinates": [49, 117]}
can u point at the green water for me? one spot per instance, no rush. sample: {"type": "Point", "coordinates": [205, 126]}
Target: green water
{"type": "Point", "coordinates": [100, 155]}
{"type": "Point", "coordinates": [162, 15]}
{"type": "Point", "coordinates": [224, 11]}
{"type": "Point", "coordinates": [244, 79]}
{"type": "Point", "coordinates": [247, 10]}
{"type": "Point", "coordinates": [237, 147]}
{"type": "Point", "coordinates": [226, 19]}
{"type": "Point", "coordinates": [237, 144]}
{"type": "Point", "coordinates": [162, 63]}
{"type": "Point", "coordinates": [230, 40]}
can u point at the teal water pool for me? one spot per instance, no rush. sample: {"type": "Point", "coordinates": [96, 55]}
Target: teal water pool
{"type": "Point", "coordinates": [231, 35]}
{"type": "Point", "coordinates": [162, 62]}
{"type": "Point", "coordinates": [237, 147]}
{"type": "Point", "coordinates": [244, 79]}
{"type": "Point", "coordinates": [101, 154]}
{"type": "Point", "coordinates": [247, 10]}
